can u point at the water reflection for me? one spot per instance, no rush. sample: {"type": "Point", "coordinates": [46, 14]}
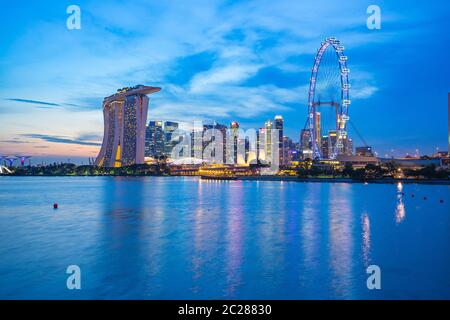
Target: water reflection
{"type": "Point", "coordinates": [341, 242]}
{"type": "Point", "coordinates": [366, 239]}
{"type": "Point", "coordinates": [234, 238]}
{"type": "Point", "coordinates": [400, 212]}
{"type": "Point", "coordinates": [310, 226]}
{"type": "Point", "coordinates": [120, 236]}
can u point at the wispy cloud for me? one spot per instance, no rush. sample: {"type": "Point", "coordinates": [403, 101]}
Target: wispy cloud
{"type": "Point", "coordinates": [43, 103]}
{"type": "Point", "coordinates": [59, 139]}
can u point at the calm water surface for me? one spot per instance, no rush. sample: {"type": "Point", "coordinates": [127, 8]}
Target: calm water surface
{"type": "Point", "coordinates": [183, 238]}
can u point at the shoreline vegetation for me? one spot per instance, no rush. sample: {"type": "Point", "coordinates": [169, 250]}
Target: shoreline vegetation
{"type": "Point", "coordinates": [347, 174]}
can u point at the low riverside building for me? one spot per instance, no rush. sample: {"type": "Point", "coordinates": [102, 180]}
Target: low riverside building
{"type": "Point", "coordinates": [357, 161]}
{"type": "Point", "coordinates": [412, 163]}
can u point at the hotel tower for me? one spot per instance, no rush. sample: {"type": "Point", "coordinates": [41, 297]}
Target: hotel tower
{"type": "Point", "coordinates": [125, 116]}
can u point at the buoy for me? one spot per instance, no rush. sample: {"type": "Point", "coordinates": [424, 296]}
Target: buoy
{"type": "Point", "coordinates": [55, 206]}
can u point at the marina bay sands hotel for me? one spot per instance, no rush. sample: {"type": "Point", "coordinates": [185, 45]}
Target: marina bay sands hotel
{"type": "Point", "coordinates": [125, 116]}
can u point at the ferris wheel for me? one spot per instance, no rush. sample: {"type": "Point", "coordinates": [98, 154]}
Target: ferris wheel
{"type": "Point", "coordinates": [329, 86]}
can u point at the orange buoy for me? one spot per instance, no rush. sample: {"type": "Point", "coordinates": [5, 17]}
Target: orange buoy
{"type": "Point", "coordinates": [55, 206]}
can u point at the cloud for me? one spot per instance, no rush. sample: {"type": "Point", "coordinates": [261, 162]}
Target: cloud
{"type": "Point", "coordinates": [215, 78]}
{"type": "Point", "coordinates": [59, 139]}
{"type": "Point", "coordinates": [44, 103]}
{"type": "Point", "coordinates": [363, 92]}
{"type": "Point", "coordinates": [14, 141]}
{"type": "Point", "coordinates": [87, 103]}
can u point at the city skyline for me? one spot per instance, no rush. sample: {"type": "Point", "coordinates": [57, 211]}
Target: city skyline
{"type": "Point", "coordinates": [244, 71]}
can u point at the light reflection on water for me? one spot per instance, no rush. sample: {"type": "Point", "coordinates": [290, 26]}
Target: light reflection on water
{"type": "Point", "coordinates": [177, 238]}
{"type": "Point", "coordinates": [400, 212]}
{"type": "Point", "coordinates": [366, 239]}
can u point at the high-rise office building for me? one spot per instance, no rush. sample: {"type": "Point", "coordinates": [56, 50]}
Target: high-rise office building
{"type": "Point", "coordinates": [125, 114]}
{"type": "Point", "coordinates": [332, 141]}
{"type": "Point", "coordinates": [448, 115]}
{"type": "Point", "coordinates": [288, 151]}
{"type": "Point", "coordinates": [318, 130]}
{"type": "Point", "coordinates": [170, 137]}
{"type": "Point", "coordinates": [154, 139]}
{"type": "Point", "coordinates": [260, 145]}
{"type": "Point", "coordinates": [365, 151]}
{"type": "Point", "coordinates": [268, 126]}
{"type": "Point", "coordinates": [305, 144]}
{"type": "Point", "coordinates": [234, 143]}
{"type": "Point", "coordinates": [325, 147]}
{"type": "Point", "coordinates": [279, 124]}
{"type": "Point", "coordinates": [348, 146]}
{"type": "Point", "coordinates": [215, 141]}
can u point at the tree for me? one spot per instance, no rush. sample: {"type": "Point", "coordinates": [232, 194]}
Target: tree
{"type": "Point", "coordinates": [348, 169]}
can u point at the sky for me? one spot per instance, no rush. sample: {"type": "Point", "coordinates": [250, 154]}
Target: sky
{"type": "Point", "coordinates": [219, 60]}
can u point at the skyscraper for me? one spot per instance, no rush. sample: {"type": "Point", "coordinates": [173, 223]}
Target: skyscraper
{"type": "Point", "coordinates": [318, 131]}
{"type": "Point", "coordinates": [279, 123]}
{"type": "Point", "coordinates": [234, 136]}
{"type": "Point", "coordinates": [213, 142]}
{"type": "Point", "coordinates": [305, 144]}
{"type": "Point", "coordinates": [348, 146]}
{"type": "Point", "coordinates": [154, 139]}
{"type": "Point", "coordinates": [332, 141]}
{"type": "Point", "coordinates": [448, 115]}
{"type": "Point", "coordinates": [125, 114]}
{"type": "Point", "coordinates": [268, 125]}
{"type": "Point", "coordinates": [288, 150]}
{"type": "Point", "coordinates": [170, 138]}
{"type": "Point", "coordinates": [325, 150]}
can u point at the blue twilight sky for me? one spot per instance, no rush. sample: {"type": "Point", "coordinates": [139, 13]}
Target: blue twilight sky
{"type": "Point", "coordinates": [219, 60]}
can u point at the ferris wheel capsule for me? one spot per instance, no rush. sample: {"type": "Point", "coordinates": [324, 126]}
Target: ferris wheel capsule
{"type": "Point", "coordinates": [345, 71]}
{"type": "Point", "coordinates": [340, 48]}
{"type": "Point", "coordinates": [343, 58]}
{"type": "Point", "coordinates": [345, 117]}
{"type": "Point", "coordinates": [346, 86]}
{"type": "Point", "coordinates": [346, 102]}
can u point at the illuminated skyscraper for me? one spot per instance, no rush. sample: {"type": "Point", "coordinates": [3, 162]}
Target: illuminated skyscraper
{"type": "Point", "coordinates": [154, 139]}
{"type": "Point", "coordinates": [318, 129]}
{"type": "Point", "coordinates": [305, 144]}
{"type": "Point", "coordinates": [448, 114]}
{"type": "Point", "coordinates": [279, 124]}
{"type": "Point", "coordinates": [215, 141]}
{"type": "Point", "coordinates": [234, 136]}
{"type": "Point", "coordinates": [171, 137]}
{"type": "Point", "coordinates": [268, 140]}
{"type": "Point", "coordinates": [325, 147]}
{"type": "Point", "coordinates": [125, 115]}
{"type": "Point", "coordinates": [332, 140]}
{"type": "Point", "coordinates": [348, 146]}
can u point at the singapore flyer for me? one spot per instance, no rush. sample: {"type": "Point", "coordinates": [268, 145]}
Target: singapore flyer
{"type": "Point", "coordinates": [329, 87]}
